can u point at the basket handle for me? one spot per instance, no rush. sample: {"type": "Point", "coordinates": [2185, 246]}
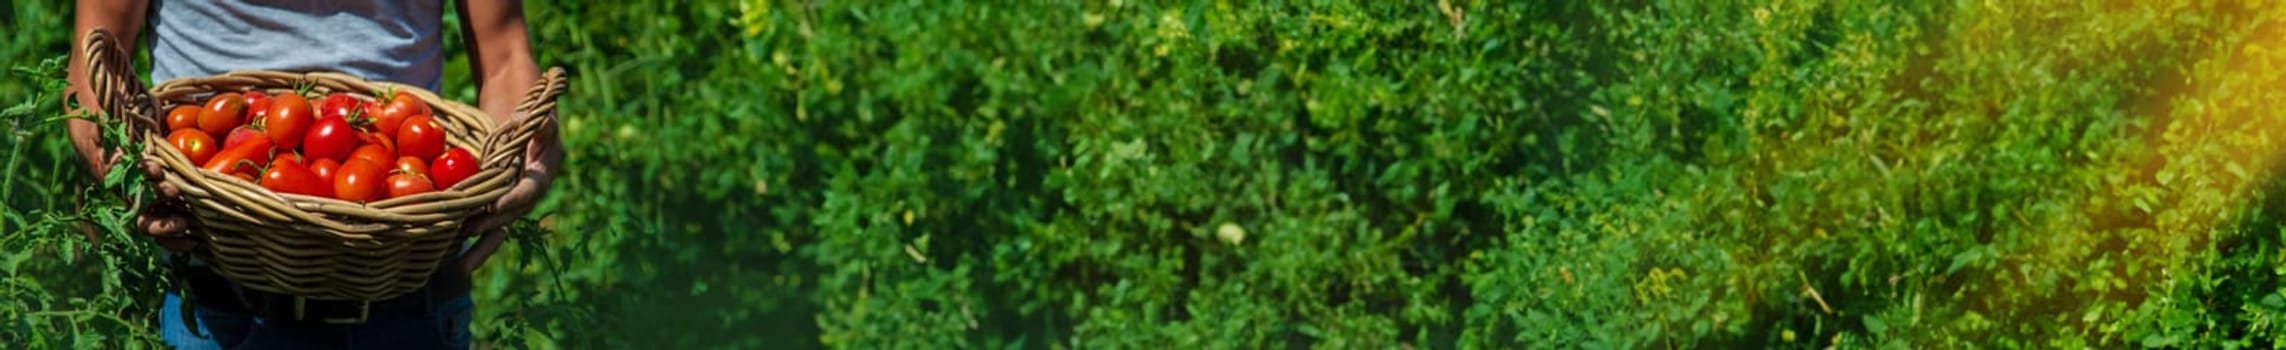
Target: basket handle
{"type": "Point", "coordinates": [505, 148]}
{"type": "Point", "coordinates": [118, 90]}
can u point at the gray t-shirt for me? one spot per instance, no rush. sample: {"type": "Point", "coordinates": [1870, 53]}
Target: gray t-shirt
{"type": "Point", "coordinates": [395, 41]}
{"type": "Point", "coordinates": [392, 40]}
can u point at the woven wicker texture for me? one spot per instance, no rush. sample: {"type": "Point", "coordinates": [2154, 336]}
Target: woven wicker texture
{"type": "Point", "coordinates": [319, 248]}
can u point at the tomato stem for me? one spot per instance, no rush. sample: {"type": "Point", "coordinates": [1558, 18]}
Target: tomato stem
{"type": "Point", "coordinates": [258, 168]}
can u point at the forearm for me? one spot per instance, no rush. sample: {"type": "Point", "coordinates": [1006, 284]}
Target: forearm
{"type": "Point", "coordinates": [124, 18]}
{"type": "Point", "coordinates": [501, 57]}
{"type": "Point", "coordinates": [504, 87]}
{"type": "Point", "coordinates": [500, 54]}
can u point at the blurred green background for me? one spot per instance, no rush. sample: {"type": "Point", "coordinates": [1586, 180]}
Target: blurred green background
{"type": "Point", "coordinates": [1342, 174]}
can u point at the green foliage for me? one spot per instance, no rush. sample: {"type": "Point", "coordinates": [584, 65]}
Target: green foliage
{"type": "Point", "coordinates": [1344, 174]}
{"type": "Point", "coordinates": [91, 294]}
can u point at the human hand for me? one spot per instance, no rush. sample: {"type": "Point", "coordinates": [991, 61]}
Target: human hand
{"type": "Point", "coordinates": [541, 159]}
{"type": "Point", "coordinates": [163, 222]}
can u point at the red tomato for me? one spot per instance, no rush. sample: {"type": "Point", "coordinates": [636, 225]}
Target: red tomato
{"type": "Point", "coordinates": [374, 110]}
{"type": "Point", "coordinates": [184, 117]}
{"type": "Point", "coordinates": [222, 113]}
{"type": "Point", "coordinates": [242, 134]}
{"type": "Point", "coordinates": [401, 185]}
{"type": "Point", "coordinates": [194, 144]}
{"type": "Point", "coordinates": [257, 105]}
{"type": "Point", "coordinates": [411, 165]}
{"type": "Point", "coordinates": [242, 158]}
{"type": "Point", "coordinates": [330, 138]}
{"type": "Point", "coordinates": [339, 105]}
{"type": "Point", "coordinates": [374, 137]}
{"type": "Point", "coordinates": [421, 137]}
{"type": "Point", "coordinates": [324, 168]}
{"type": "Point", "coordinates": [390, 116]}
{"type": "Point", "coordinates": [360, 181]}
{"type": "Point", "coordinates": [456, 164]}
{"type": "Point", "coordinates": [373, 153]}
{"type": "Point", "coordinates": [289, 157]}
{"type": "Point", "coordinates": [293, 178]}
{"type": "Point", "coordinates": [288, 120]}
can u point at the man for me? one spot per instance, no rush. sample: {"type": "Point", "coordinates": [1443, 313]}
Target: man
{"type": "Point", "coordinates": [399, 41]}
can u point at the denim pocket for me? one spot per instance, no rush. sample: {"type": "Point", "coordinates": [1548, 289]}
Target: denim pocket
{"type": "Point", "coordinates": [454, 322]}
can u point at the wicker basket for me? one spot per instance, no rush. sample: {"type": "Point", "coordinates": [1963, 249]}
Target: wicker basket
{"type": "Point", "coordinates": [313, 247]}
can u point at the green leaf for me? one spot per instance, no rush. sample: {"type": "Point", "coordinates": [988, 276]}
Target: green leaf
{"type": "Point", "coordinates": [113, 178]}
{"type": "Point", "coordinates": [1875, 325]}
{"type": "Point", "coordinates": [14, 260]}
{"type": "Point", "coordinates": [1965, 258]}
{"type": "Point", "coordinates": [2159, 341]}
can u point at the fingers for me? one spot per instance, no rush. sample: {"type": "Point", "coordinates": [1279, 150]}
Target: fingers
{"type": "Point", "coordinates": [532, 183]}
{"type": "Point", "coordinates": [168, 191]}
{"type": "Point", "coordinates": [483, 223]}
{"type": "Point", "coordinates": [482, 250]}
{"type": "Point", "coordinates": [510, 208]}
{"type": "Point", "coordinates": [499, 217]}
{"type": "Point", "coordinates": [541, 158]}
{"type": "Point", "coordinates": [157, 173]}
{"type": "Point", "coordinates": [102, 167]}
{"type": "Point", "coordinates": [521, 196]}
{"type": "Point", "coordinates": [162, 224]}
{"type": "Point", "coordinates": [167, 227]}
{"type": "Point", "coordinates": [540, 161]}
{"type": "Point", "coordinates": [504, 211]}
{"type": "Point", "coordinates": [114, 158]}
{"type": "Point", "coordinates": [546, 133]}
{"type": "Point", "coordinates": [153, 169]}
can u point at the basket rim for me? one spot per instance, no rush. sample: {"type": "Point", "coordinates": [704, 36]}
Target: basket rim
{"type": "Point", "coordinates": [311, 246]}
{"type": "Point", "coordinates": [467, 127]}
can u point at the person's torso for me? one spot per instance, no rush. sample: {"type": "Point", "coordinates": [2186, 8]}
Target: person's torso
{"type": "Point", "coordinates": [397, 41]}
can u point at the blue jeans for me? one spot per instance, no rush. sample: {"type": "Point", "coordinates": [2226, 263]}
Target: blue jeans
{"type": "Point", "coordinates": [447, 329]}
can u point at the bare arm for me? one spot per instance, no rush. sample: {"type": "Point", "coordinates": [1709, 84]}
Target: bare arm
{"type": "Point", "coordinates": [124, 18]}
{"type": "Point", "coordinates": [501, 58]}
{"type": "Point", "coordinates": [500, 53]}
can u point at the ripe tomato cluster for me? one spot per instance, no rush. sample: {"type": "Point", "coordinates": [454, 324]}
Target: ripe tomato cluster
{"type": "Point", "coordinates": [337, 146]}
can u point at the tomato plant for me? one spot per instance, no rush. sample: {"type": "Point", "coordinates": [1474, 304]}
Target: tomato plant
{"type": "Point", "coordinates": [1350, 174]}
